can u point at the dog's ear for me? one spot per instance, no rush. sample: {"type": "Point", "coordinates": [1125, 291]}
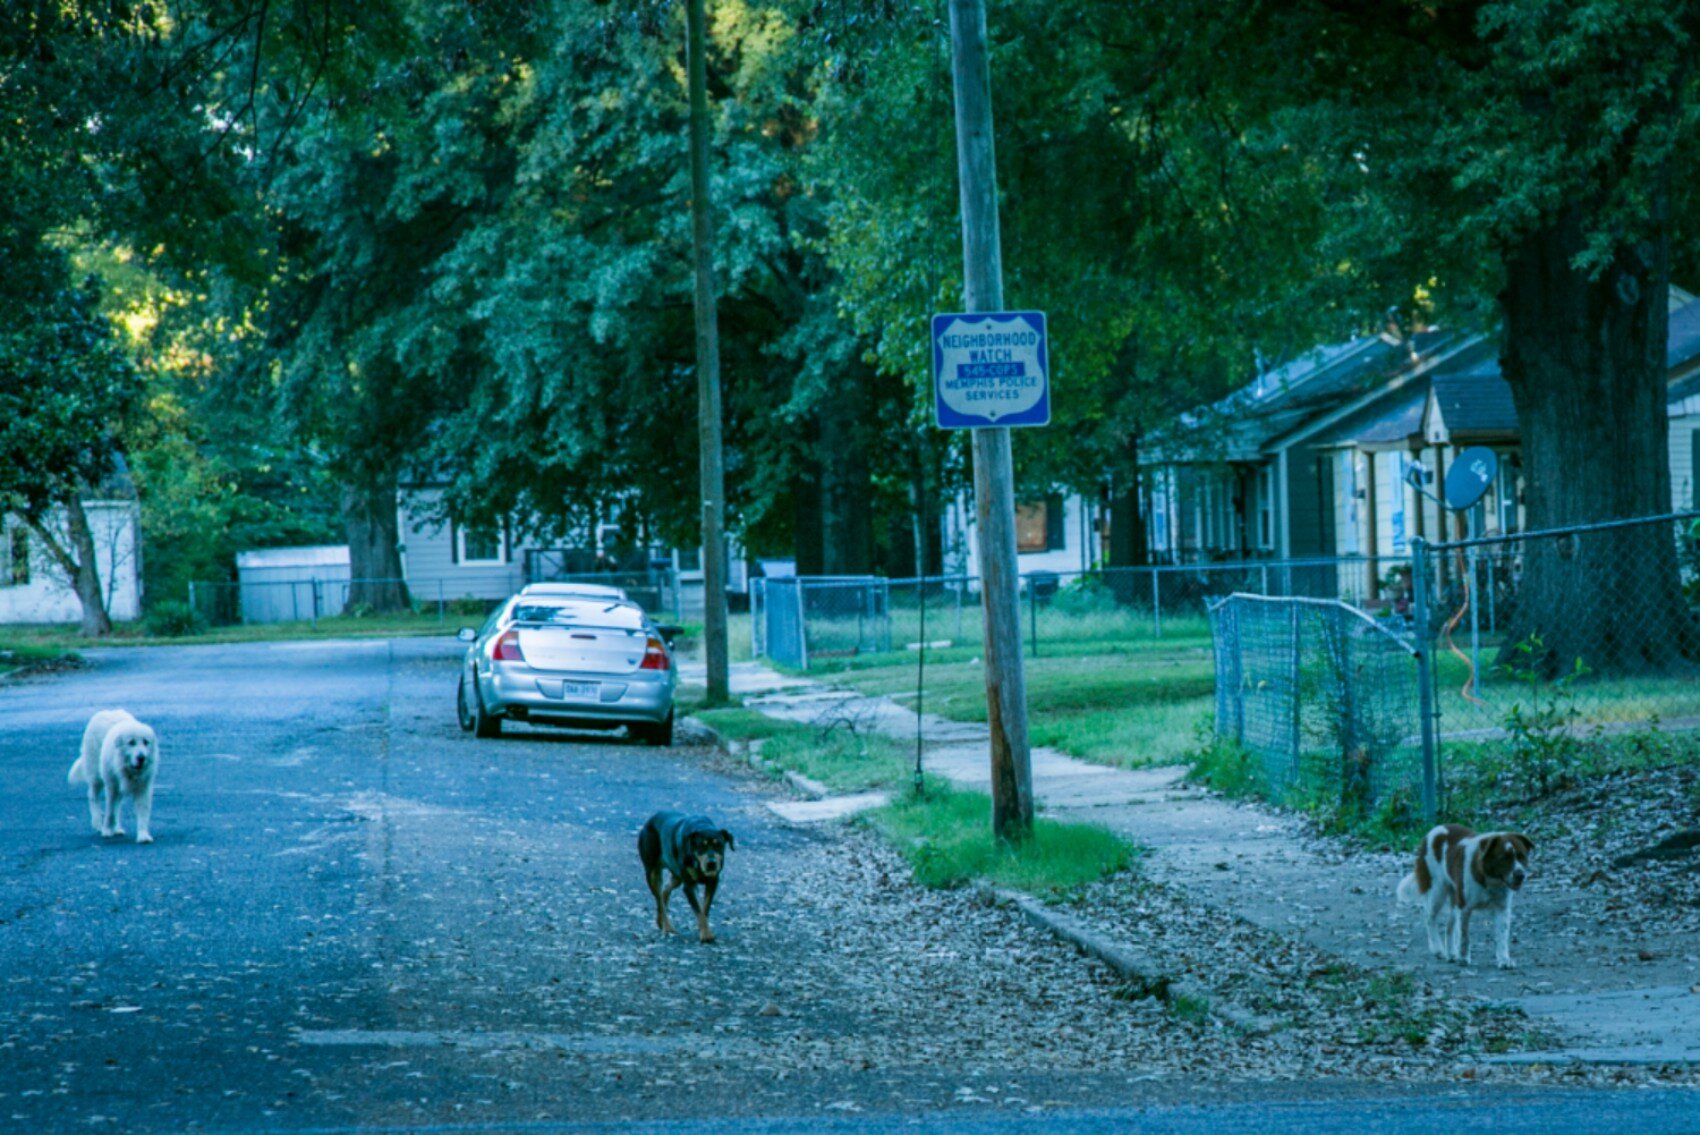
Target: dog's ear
{"type": "Point", "coordinates": [727, 836]}
{"type": "Point", "coordinates": [1527, 844]}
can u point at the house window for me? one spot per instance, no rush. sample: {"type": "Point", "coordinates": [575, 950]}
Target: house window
{"type": "Point", "coordinates": [481, 545]}
{"type": "Point", "coordinates": [1266, 507]}
{"type": "Point", "coordinates": [15, 558]}
{"type": "Point", "coordinates": [1694, 469]}
{"type": "Point", "coordinates": [1506, 492]}
{"type": "Point", "coordinates": [1040, 526]}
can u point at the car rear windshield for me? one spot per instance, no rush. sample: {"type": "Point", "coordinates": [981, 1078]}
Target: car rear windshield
{"type": "Point", "coordinates": [579, 612]}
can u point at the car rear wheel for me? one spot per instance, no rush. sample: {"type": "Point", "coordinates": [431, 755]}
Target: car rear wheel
{"type": "Point", "coordinates": [474, 718]}
{"type": "Point", "coordinates": [463, 710]}
{"type": "Point", "coordinates": [657, 733]}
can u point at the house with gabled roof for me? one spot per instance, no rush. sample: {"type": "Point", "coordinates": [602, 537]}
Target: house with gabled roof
{"type": "Point", "coordinates": [1312, 459]}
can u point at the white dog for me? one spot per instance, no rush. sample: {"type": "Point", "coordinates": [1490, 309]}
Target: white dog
{"type": "Point", "coordinates": [120, 757]}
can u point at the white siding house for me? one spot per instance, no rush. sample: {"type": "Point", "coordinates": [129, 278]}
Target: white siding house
{"type": "Point", "coordinates": [444, 560]}
{"type": "Point", "coordinates": [1055, 534]}
{"type": "Point", "coordinates": [34, 589]}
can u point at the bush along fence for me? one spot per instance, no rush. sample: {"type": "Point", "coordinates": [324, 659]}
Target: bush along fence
{"type": "Point", "coordinates": [803, 620]}
{"type": "Point", "coordinates": [1514, 665]}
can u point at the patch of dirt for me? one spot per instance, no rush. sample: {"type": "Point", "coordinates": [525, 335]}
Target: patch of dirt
{"type": "Point", "coordinates": [1581, 832]}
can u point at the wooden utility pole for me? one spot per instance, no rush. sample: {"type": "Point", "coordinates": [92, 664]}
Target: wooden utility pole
{"type": "Point", "coordinates": [712, 473]}
{"type": "Point", "coordinates": [994, 475]}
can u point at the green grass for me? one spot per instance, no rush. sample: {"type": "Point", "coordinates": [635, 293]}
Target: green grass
{"type": "Point", "coordinates": [731, 721]}
{"type": "Point", "coordinates": [16, 656]}
{"type": "Point", "coordinates": [838, 759]}
{"type": "Point", "coordinates": [63, 637]}
{"type": "Point", "coordinates": [946, 835]}
{"type": "Point", "coordinates": [1128, 704]}
{"type": "Point", "coordinates": [688, 645]}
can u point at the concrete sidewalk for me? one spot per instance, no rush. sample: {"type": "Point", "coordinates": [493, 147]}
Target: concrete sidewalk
{"type": "Point", "coordinates": [1614, 1001]}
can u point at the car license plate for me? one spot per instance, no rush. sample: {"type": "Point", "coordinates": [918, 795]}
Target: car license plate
{"type": "Point", "coordinates": [581, 689]}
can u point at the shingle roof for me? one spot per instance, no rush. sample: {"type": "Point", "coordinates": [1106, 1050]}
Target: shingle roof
{"type": "Point", "coordinates": [1683, 343]}
{"type": "Point", "coordinates": [1476, 401]}
{"type": "Point", "coordinates": [1390, 420]}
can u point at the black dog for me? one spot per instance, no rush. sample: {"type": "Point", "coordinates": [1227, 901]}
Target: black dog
{"type": "Point", "coordinates": [692, 851]}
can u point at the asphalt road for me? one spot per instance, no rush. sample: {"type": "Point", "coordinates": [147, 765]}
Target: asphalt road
{"type": "Point", "coordinates": [356, 918]}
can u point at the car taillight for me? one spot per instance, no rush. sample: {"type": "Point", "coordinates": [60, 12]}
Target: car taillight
{"type": "Point", "coordinates": [654, 656]}
{"type": "Point", "coordinates": [507, 648]}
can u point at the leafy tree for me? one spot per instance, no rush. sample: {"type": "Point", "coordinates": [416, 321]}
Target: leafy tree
{"type": "Point", "coordinates": [1520, 162]}
{"type": "Point", "coordinates": [66, 389]}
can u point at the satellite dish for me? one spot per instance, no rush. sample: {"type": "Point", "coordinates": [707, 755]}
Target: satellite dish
{"type": "Point", "coordinates": [1471, 474]}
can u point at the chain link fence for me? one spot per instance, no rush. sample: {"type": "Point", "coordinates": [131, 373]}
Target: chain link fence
{"type": "Point", "coordinates": [796, 620]}
{"type": "Point", "coordinates": [655, 589]}
{"type": "Point", "coordinates": [227, 603]}
{"type": "Point", "coordinates": [1326, 697]}
{"type": "Point", "coordinates": [819, 617]}
{"type": "Point", "coordinates": [1559, 654]}
{"type": "Point", "coordinates": [1516, 665]}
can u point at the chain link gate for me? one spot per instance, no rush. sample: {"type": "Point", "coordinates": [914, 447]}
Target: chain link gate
{"type": "Point", "coordinates": [1324, 696]}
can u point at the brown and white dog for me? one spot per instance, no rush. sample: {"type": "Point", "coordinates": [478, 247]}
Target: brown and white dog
{"type": "Point", "coordinates": [1458, 873]}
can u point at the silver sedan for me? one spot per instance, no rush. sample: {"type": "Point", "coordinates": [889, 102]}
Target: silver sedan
{"type": "Point", "coordinates": [569, 660]}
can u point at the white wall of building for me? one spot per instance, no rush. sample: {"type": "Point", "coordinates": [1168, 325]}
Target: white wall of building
{"type": "Point", "coordinates": [1684, 439]}
{"type": "Point", "coordinates": [48, 596]}
{"type": "Point", "coordinates": [1075, 553]}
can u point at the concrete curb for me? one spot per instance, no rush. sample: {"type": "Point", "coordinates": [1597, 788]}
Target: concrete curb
{"type": "Point", "coordinates": [72, 661]}
{"type": "Point", "coordinates": [751, 754]}
{"type": "Point", "coordinates": [1136, 967]}
{"type": "Point", "coordinates": [715, 737]}
{"type": "Point", "coordinates": [813, 789]}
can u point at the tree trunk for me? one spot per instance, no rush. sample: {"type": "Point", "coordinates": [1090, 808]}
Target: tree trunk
{"type": "Point", "coordinates": [374, 563]}
{"type": "Point", "coordinates": [1127, 522]}
{"type": "Point", "coordinates": [1127, 537]}
{"type": "Point", "coordinates": [78, 564]}
{"type": "Point", "coordinates": [85, 576]}
{"type": "Point", "coordinates": [806, 523]}
{"type": "Point", "coordinates": [846, 489]}
{"type": "Point", "coordinates": [1585, 359]}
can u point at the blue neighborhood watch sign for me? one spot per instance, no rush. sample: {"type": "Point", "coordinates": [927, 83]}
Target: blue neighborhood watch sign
{"type": "Point", "coordinates": [991, 368]}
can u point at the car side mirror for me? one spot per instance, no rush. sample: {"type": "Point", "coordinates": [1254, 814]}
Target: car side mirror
{"type": "Point", "coordinates": [669, 631]}
{"type": "Point", "coordinates": [467, 634]}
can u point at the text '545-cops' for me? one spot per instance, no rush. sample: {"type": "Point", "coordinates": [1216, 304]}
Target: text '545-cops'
{"type": "Point", "coordinates": [991, 369]}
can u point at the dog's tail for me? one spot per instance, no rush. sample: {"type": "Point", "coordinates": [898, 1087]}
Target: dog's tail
{"type": "Point", "coordinates": [1408, 892]}
{"type": "Point", "coordinates": [77, 775]}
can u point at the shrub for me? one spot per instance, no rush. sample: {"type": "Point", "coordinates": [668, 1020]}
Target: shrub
{"type": "Point", "coordinates": [173, 618]}
{"type": "Point", "coordinates": [1087, 595]}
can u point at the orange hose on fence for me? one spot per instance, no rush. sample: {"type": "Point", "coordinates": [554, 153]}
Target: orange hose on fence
{"type": "Point", "coordinates": [1469, 686]}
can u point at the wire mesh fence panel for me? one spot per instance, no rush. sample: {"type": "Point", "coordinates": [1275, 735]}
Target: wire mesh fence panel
{"type": "Point", "coordinates": [758, 617]}
{"type": "Point", "coordinates": [1324, 695]}
{"type": "Point", "coordinates": [228, 603]}
{"type": "Point", "coordinates": [1066, 613]}
{"type": "Point", "coordinates": [846, 616]}
{"type": "Point", "coordinates": [942, 612]}
{"type": "Point", "coordinates": [1074, 611]}
{"type": "Point", "coordinates": [656, 590]}
{"type": "Point", "coordinates": [782, 614]}
{"type": "Point", "coordinates": [1564, 652]}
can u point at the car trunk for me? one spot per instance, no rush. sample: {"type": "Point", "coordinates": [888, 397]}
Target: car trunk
{"type": "Point", "coordinates": [597, 650]}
